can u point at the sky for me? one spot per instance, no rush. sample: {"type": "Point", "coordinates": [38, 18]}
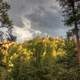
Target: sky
{"type": "Point", "coordinates": [31, 16]}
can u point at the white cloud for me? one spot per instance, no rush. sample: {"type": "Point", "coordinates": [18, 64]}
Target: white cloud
{"type": "Point", "coordinates": [25, 32]}
{"type": "Point", "coordinates": [4, 29]}
{"type": "Point", "coordinates": [4, 33]}
{"type": "Point", "coordinates": [22, 34]}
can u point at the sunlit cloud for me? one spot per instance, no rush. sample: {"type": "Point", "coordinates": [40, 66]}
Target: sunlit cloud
{"type": "Point", "coordinates": [22, 34]}
{"type": "Point", "coordinates": [25, 32]}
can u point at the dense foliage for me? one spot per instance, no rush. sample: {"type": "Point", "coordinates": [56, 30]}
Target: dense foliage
{"type": "Point", "coordinates": [39, 59]}
{"type": "Point", "coordinates": [4, 18]}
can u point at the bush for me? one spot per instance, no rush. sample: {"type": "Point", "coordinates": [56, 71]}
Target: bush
{"type": "Point", "coordinates": [43, 59]}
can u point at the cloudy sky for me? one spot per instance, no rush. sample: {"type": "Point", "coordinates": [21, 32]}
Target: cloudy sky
{"type": "Point", "coordinates": [43, 15]}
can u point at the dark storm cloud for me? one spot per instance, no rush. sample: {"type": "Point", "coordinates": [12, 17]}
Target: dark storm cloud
{"type": "Point", "coordinates": [45, 19]}
{"type": "Point", "coordinates": [43, 14]}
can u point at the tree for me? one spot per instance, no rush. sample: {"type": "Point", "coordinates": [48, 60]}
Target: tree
{"type": "Point", "coordinates": [5, 20]}
{"type": "Point", "coordinates": [71, 11]}
{"type": "Point", "coordinates": [69, 35]}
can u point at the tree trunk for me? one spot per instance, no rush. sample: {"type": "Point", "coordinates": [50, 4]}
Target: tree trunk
{"type": "Point", "coordinates": [76, 34]}
{"type": "Point", "coordinates": [77, 43]}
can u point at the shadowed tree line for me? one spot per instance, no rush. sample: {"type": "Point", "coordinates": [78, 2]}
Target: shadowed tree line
{"type": "Point", "coordinates": [71, 13]}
